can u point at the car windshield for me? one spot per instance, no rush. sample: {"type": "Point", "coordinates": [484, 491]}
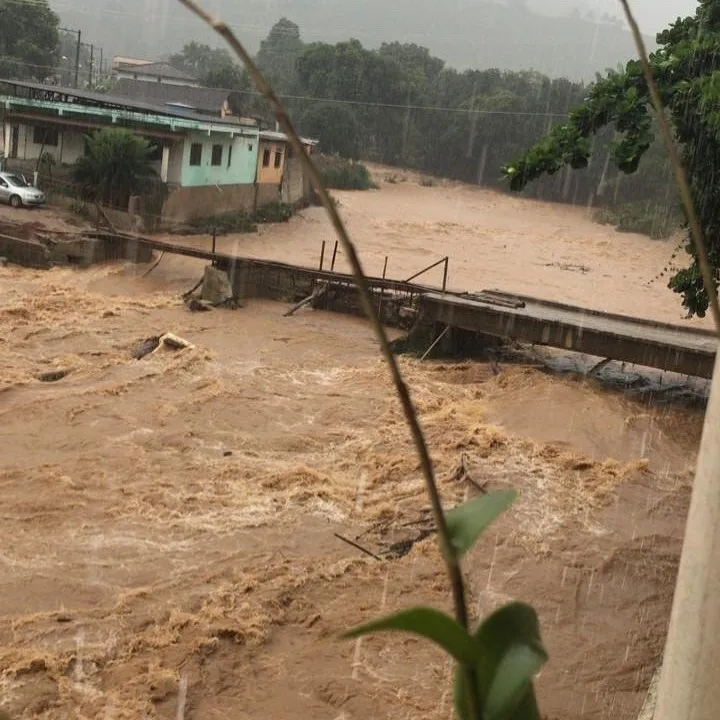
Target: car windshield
{"type": "Point", "coordinates": [17, 181]}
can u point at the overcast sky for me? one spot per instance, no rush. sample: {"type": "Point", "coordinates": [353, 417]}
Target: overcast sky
{"type": "Point", "coordinates": [658, 13]}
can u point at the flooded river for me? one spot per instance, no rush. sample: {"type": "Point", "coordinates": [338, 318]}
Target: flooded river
{"type": "Point", "coordinates": [170, 524]}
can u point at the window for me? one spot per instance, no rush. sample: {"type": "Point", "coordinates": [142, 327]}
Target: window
{"type": "Point", "coordinates": [156, 152]}
{"type": "Point", "coordinates": [250, 147]}
{"type": "Point", "coordinates": [278, 158]}
{"type": "Point", "coordinates": [196, 154]}
{"type": "Point", "coordinates": [229, 155]}
{"type": "Point", "coordinates": [45, 136]}
{"type": "Point", "coordinates": [216, 158]}
{"type": "Point", "coordinates": [266, 158]}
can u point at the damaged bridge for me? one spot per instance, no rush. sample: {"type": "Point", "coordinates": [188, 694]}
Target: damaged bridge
{"type": "Point", "coordinates": [487, 316]}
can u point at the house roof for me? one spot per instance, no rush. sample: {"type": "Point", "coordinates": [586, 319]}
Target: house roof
{"type": "Point", "coordinates": [69, 100]}
{"type": "Point", "coordinates": [161, 69]}
{"type": "Point", "coordinates": [201, 99]}
{"type": "Point", "coordinates": [275, 136]}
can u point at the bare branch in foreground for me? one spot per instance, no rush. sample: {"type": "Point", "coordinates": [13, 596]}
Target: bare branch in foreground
{"type": "Point", "coordinates": [449, 553]}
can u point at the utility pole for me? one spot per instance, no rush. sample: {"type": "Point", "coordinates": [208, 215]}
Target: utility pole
{"type": "Point", "coordinates": [689, 687]}
{"type": "Point", "coordinates": [77, 51]}
{"type": "Point", "coordinates": [90, 69]}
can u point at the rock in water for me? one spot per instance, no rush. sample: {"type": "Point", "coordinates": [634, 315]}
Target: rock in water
{"type": "Point", "coordinates": [149, 346]}
{"type": "Point", "coordinates": [195, 305]}
{"type": "Point", "coordinates": [216, 286]}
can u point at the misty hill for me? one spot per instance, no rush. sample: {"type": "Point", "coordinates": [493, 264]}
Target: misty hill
{"type": "Point", "coordinates": [507, 34]}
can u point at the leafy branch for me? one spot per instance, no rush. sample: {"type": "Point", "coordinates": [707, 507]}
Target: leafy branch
{"type": "Point", "coordinates": [497, 662]}
{"type": "Point", "coordinates": [680, 82]}
{"type": "Point", "coordinates": [678, 168]}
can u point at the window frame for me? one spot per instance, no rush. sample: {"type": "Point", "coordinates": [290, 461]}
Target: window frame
{"type": "Point", "coordinates": [216, 159]}
{"type": "Point", "coordinates": [40, 135]}
{"type": "Point", "coordinates": [195, 161]}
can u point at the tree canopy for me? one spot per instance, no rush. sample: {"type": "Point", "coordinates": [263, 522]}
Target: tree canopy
{"type": "Point", "coordinates": [279, 53]}
{"type": "Point", "coordinates": [28, 39]}
{"type": "Point", "coordinates": [686, 67]}
{"type": "Point", "coordinates": [213, 67]}
{"type": "Point", "coordinates": [115, 164]}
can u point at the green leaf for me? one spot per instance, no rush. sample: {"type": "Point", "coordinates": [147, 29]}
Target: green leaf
{"type": "Point", "coordinates": [468, 521]}
{"type": "Point", "coordinates": [512, 679]}
{"type": "Point", "coordinates": [510, 654]}
{"type": "Point", "coordinates": [428, 623]}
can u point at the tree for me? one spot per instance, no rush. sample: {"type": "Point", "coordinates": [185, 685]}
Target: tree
{"type": "Point", "coordinates": [686, 67]}
{"type": "Point", "coordinates": [279, 53]}
{"type": "Point", "coordinates": [114, 167]}
{"type": "Point", "coordinates": [28, 39]}
{"type": "Point", "coordinates": [213, 67]}
{"type": "Point", "coordinates": [336, 127]}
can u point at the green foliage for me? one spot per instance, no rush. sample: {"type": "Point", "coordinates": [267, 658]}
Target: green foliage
{"type": "Point", "coordinates": [337, 127]}
{"type": "Point", "coordinates": [647, 218]}
{"type": "Point", "coordinates": [686, 67]}
{"type": "Point", "coordinates": [237, 221]}
{"type": "Point", "coordinates": [28, 39]}
{"type": "Point", "coordinates": [276, 212]}
{"type": "Point", "coordinates": [341, 174]}
{"type": "Point", "coordinates": [114, 166]}
{"type": "Point", "coordinates": [501, 657]}
{"type": "Point", "coordinates": [428, 623]}
{"type": "Point", "coordinates": [279, 53]}
{"type": "Point", "coordinates": [214, 67]}
{"type": "Point", "coordinates": [241, 221]}
{"type": "Point", "coordinates": [466, 523]}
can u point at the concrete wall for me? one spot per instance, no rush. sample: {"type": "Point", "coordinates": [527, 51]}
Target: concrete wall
{"type": "Point", "coordinates": [266, 194]}
{"type": "Point", "coordinates": [185, 203]}
{"type": "Point", "coordinates": [175, 164]}
{"type": "Point", "coordinates": [70, 146]}
{"type": "Point", "coordinates": [240, 171]}
{"type": "Point", "coordinates": [270, 174]}
{"type": "Point", "coordinates": [296, 188]}
{"type": "Point", "coordinates": [130, 75]}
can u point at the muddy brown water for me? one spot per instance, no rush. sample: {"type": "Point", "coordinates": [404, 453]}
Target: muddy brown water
{"type": "Point", "coordinates": [171, 520]}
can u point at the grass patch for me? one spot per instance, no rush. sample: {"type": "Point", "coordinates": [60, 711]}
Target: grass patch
{"type": "Point", "coordinates": [341, 174]}
{"type": "Point", "coordinates": [656, 221]}
{"type": "Point", "coordinates": [238, 221]}
{"type": "Point", "coordinates": [276, 212]}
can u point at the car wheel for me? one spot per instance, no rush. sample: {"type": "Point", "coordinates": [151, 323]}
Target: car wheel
{"type": "Point", "coordinates": [15, 201]}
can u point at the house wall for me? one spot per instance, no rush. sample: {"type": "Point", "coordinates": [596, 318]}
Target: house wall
{"type": "Point", "coordinates": [185, 203]}
{"type": "Point", "coordinates": [130, 75]}
{"type": "Point", "coordinates": [270, 174]}
{"type": "Point", "coordinates": [175, 165]}
{"type": "Point", "coordinates": [242, 167]}
{"type": "Point", "coordinates": [295, 188]}
{"type": "Point", "coordinates": [70, 146]}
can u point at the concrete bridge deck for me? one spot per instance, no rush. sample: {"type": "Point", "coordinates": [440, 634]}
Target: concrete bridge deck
{"type": "Point", "coordinates": [684, 350]}
{"type": "Point", "coordinates": [688, 351]}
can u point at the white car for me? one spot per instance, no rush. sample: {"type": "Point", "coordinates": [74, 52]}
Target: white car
{"type": "Point", "coordinates": [15, 190]}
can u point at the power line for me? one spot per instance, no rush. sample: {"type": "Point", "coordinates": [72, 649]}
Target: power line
{"type": "Point", "coordinates": [359, 103]}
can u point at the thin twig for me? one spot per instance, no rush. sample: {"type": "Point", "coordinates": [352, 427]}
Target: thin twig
{"type": "Point", "coordinates": [357, 546]}
{"type": "Point", "coordinates": [157, 262]}
{"type": "Point", "coordinates": [193, 289]}
{"type": "Point", "coordinates": [449, 553]}
{"type": "Point", "coordinates": [678, 167]}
